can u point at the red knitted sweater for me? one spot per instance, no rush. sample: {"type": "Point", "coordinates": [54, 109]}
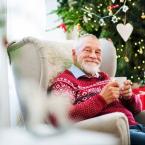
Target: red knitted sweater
{"type": "Point", "coordinates": [87, 102]}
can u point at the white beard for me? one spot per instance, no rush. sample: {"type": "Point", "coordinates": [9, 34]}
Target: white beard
{"type": "Point", "coordinates": [90, 68]}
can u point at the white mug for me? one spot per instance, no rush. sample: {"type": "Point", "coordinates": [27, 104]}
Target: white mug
{"type": "Point", "coordinates": [120, 80]}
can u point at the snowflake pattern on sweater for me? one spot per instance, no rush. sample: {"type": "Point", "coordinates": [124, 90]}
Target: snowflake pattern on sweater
{"type": "Point", "coordinates": [86, 101]}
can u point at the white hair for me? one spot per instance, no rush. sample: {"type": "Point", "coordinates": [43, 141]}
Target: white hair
{"type": "Point", "coordinates": [79, 42]}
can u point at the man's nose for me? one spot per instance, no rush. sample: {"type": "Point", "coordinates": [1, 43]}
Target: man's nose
{"type": "Point", "coordinates": [93, 54]}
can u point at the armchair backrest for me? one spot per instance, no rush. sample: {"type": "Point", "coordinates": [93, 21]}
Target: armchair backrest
{"type": "Point", "coordinates": [43, 60]}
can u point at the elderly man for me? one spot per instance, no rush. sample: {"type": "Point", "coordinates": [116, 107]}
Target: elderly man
{"type": "Point", "coordinates": [91, 91]}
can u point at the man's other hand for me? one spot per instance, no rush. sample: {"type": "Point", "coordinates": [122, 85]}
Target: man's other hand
{"type": "Point", "coordinates": [126, 91]}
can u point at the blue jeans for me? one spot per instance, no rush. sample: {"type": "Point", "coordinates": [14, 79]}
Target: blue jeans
{"type": "Point", "coordinates": [137, 134]}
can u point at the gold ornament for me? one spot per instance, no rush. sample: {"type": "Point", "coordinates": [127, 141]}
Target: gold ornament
{"type": "Point", "coordinates": [143, 15]}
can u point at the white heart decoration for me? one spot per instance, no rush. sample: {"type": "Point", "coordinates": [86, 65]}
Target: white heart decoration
{"type": "Point", "coordinates": [113, 1]}
{"type": "Point", "coordinates": [124, 30]}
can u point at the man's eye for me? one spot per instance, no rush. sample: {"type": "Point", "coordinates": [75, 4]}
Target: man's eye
{"type": "Point", "coordinates": [87, 50]}
{"type": "Point", "coordinates": [97, 52]}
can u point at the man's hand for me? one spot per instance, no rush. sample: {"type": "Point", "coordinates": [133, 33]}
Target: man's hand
{"type": "Point", "coordinates": [126, 91]}
{"type": "Point", "coordinates": [110, 92]}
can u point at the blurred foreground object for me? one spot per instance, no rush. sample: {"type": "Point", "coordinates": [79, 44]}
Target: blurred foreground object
{"type": "Point", "coordinates": [36, 106]}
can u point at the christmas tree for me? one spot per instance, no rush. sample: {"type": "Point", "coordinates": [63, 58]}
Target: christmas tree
{"type": "Point", "coordinates": [121, 20]}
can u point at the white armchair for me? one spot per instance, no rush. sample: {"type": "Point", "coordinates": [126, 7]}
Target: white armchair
{"type": "Point", "coordinates": [39, 60]}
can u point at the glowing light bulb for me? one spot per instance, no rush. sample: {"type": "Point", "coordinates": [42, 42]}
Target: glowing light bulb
{"type": "Point", "coordinates": [135, 54]}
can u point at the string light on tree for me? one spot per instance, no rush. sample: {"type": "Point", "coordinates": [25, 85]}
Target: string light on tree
{"type": "Point", "coordinates": [131, 77]}
{"type": "Point", "coordinates": [140, 51]}
{"type": "Point", "coordinates": [118, 56]}
{"type": "Point", "coordinates": [126, 59]}
{"type": "Point", "coordinates": [135, 54]}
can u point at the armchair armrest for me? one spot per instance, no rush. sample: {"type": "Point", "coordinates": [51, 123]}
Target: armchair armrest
{"type": "Point", "coordinates": [115, 123]}
{"type": "Point", "coordinates": [140, 117]}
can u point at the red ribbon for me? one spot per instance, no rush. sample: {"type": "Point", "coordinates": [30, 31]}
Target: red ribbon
{"type": "Point", "coordinates": [112, 7]}
{"type": "Point", "coordinates": [63, 26]}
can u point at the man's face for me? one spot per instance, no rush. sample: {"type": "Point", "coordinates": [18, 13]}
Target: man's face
{"type": "Point", "coordinates": [89, 56]}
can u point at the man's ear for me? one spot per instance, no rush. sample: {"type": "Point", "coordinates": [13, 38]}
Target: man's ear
{"type": "Point", "coordinates": [74, 56]}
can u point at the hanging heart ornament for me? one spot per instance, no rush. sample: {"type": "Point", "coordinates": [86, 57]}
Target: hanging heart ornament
{"type": "Point", "coordinates": [124, 30]}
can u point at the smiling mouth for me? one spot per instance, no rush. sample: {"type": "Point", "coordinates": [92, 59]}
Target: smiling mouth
{"type": "Point", "coordinates": [90, 61]}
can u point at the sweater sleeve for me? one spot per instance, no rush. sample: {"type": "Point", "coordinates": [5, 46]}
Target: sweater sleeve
{"type": "Point", "coordinates": [83, 110]}
{"type": "Point", "coordinates": [133, 104]}
{"type": "Point", "coordinates": [88, 109]}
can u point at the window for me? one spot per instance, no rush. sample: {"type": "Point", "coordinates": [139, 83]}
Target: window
{"type": "Point", "coordinates": [29, 18]}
